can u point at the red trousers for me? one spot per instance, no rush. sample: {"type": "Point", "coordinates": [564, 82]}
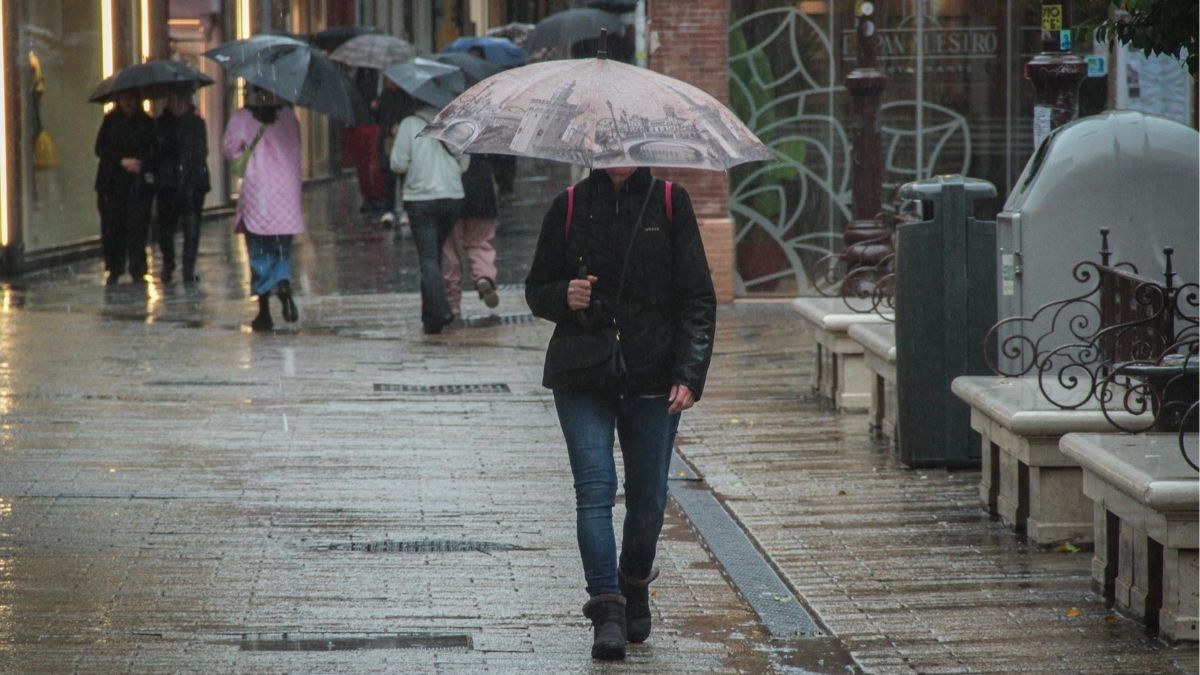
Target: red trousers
{"type": "Point", "coordinates": [362, 145]}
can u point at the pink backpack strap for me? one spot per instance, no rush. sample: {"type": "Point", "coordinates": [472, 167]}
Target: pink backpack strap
{"type": "Point", "coordinates": [670, 208]}
{"type": "Point", "coordinates": [570, 212]}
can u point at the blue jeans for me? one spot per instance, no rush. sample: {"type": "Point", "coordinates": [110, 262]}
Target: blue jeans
{"type": "Point", "coordinates": [270, 260]}
{"type": "Point", "coordinates": [647, 435]}
{"type": "Point", "coordinates": [431, 223]}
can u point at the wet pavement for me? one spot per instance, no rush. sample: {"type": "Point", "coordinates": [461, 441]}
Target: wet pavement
{"type": "Point", "coordinates": [178, 494]}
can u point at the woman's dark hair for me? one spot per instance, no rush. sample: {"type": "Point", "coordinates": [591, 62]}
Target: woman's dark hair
{"type": "Point", "coordinates": [265, 114]}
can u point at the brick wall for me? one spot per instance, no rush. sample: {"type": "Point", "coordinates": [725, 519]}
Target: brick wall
{"type": "Point", "coordinates": [693, 46]}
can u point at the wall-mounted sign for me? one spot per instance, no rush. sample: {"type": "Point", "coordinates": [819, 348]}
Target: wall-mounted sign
{"type": "Point", "coordinates": [1052, 18]}
{"type": "Point", "coordinates": [1097, 65]}
{"type": "Point", "coordinates": [936, 43]}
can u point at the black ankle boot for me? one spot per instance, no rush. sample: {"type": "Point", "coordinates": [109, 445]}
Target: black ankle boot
{"type": "Point", "coordinates": [263, 322]}
{"type": "Point", "coordinates": [637, 604]}
{"type": "Point", "coordinates": [607, 613]}
{"type": "Point", "coordinates": [284, 290]}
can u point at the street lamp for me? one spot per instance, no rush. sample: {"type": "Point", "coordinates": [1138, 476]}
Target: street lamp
{"type": "Point", "coordinates": [1055, 73]}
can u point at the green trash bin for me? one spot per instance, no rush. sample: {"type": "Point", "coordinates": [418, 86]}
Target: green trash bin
{"type": "Point", "coordinates": [945, 304]}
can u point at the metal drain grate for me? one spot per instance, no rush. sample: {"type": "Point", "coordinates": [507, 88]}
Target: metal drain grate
{"type": "Point", "coordinates": [421, 546]}
{"type": "Point", "coordinates": [202, 383]}
{"type": "Point", "coordinates": [501, 320]}
{"type": "Point", "coordinates": [434, 389]}
{"type": "Point", "coordinates": [780, 610]}
{"type": "Point", "coordinates": [328, 642]}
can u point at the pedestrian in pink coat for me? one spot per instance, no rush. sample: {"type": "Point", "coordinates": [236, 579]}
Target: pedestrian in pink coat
{"type": "Point", "coordinates": [268, 210]}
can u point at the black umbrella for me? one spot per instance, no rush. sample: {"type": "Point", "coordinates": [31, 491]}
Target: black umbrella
{"type": "Point", "coordinates": [428, 81]}
{"type": "Point", "coordinates": [474, 68]}
{"type": "Point", "coordinates": [295, 72]}
{"type": "Point", "coordinates": [561, 30]}
{"type": "Point", "coordinates": [162, 76]}
{"type": "Point", "coordinates": [331, 38]}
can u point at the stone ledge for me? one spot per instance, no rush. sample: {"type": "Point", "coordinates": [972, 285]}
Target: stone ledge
{"type": "Point", "coordinates": [1019, 405]}
{"type": "Point", "coordinates": [878, 339]}
{"type": "Point", "coordinates": [832, 314]}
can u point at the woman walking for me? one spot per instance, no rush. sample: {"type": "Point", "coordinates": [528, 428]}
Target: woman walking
{"type": "Point", "coordinates": [268, 210]}
{"type": "Point", "coordinates": [126, 145]}
{"type": "Point", "coordinates": [621, 271]}
{"type": "Point", "coordinates": [471, 238]}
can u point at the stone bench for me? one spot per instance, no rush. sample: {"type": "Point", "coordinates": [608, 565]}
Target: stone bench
{"type": "Point", "coordinates": [878, 342]}
{"type": "Point", "coordinates": [840, 375]}
{"type": "Point", "coordinates": [1145, 516]}
{"type": "Point", "coordinates": [1024, 477]}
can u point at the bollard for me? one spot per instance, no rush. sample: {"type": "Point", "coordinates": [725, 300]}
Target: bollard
{"type": "Point", "coordinates": [945, 304]}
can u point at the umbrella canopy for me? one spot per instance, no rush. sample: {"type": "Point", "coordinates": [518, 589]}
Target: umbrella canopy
{"type": "Point", "coordinates": [295, 72]}
{"type": "Point", "coordinates": [374, 50]}
{"type": "Point", "coordinates": [475, 69]}
{"type": "Point", "coordinates": [515, 31]}
{"type": "Point", "coordinates": [428, 81]}
{"type": "Point", "coordinates": [598, 113]}
{"type": "Point", "coordinates": [333, 37]}
{"type": "Point", "coordinates": [497, 50]}
{"type": "Point", "coordinates": [151, 76]}
{"type": "Point", "coordinates": [561, 30]}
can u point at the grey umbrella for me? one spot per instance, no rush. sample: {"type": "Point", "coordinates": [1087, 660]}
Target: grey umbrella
{"type": "Point", "coordinates": [559, 31]}
{"type": "Point", "coordinates": [428, 81]}
{"type": "Point", "coordinates": [374, 51]}
{"type": "Point", "coordinates": [295, 72]}
{"type": "Point", "coordinates": [159, 76]}
{"type": "Point", "coordinates": [474, 68]}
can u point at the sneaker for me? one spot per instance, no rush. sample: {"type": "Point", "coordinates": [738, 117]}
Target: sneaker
{"type": "Point", "coordinates": [112, 279]}
{"type": "Point", "coordinates": [387, 220]}
{"type": "Point", "coordinates": [487, 292]}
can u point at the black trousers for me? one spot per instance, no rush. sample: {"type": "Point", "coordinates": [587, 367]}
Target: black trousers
{"type": "Point", "coordinates": [124, 227]}
{"type": "Point", "coordinates": [179, 210]}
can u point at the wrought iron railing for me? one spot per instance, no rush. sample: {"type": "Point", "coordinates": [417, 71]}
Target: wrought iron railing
{"type": "Point", "coordinates": [864, 273]}
{"type": "Point", "coordinates": [1126, 343]}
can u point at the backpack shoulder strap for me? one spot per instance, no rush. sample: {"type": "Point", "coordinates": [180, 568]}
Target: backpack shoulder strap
{"type": "Point", "coordinates": [570, 212]}
{"type": "Point", "coordinates": [670, 208]}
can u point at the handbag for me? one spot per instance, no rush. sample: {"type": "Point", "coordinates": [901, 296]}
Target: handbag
{"type": "Point", "coordinates": [45, 153]}
{"type": "Point", "coordinates": [591, 361]}
{"type": "Point", "coordinates": [238, 166]}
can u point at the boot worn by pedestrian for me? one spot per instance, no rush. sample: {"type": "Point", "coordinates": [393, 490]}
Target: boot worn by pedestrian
{"type": "Point", "coordinates": [263, 321]}
{"type": "Point", "coordinates": [637, 604]}
{"type": "Point", "coordinates": [607, 613]}
{"type": "Point", "coordinates": [284, 290]}
{"type": "Point", "coordinates": [487, 292]}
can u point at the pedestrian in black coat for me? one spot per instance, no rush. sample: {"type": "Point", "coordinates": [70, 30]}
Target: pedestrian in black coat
{"type": "Point", "coordinates": [182, 179]}
{"type": "Point", "coordinates": [665, 315]}
{"type": "Point", "coordinates": [126, 145]}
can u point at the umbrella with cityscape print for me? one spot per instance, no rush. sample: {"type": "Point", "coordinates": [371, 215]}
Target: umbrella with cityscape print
{"type": "Point", "coordinates": [596, 113]}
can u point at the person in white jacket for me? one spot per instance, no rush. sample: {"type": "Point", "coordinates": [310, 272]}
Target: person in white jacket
{"type": "Point", "coordinates": [433, 198]}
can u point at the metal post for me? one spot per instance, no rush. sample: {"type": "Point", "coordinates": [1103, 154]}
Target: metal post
{"type": "Point", "coordinates": [1056, 73]}
{"type": "Point", "coordinates": [866, 240]}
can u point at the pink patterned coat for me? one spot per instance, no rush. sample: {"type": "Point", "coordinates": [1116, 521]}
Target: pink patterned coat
{"type": "Point", "coordinates": [269, 199]}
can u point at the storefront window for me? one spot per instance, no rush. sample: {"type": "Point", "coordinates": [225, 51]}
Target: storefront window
{"type": "Point", "coordinates": [60, 61]}
{"type": "Point", "coordinates": [955, 102]}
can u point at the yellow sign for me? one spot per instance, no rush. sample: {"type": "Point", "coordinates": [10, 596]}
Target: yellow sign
{"type": "Point", "coordinates": [1052, 17]}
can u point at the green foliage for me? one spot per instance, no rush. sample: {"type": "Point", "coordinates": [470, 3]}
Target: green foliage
{"type": "Point", "coordinates": [1153, 27]}
{"type": "Point", "coordinates": [749, 94]}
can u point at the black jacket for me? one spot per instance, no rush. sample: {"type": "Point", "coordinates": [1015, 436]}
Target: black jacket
{"type": "Point", "coordinates": [667, 310]}
{"type": "Point", "coordinates": [124, 136]}
{"type": "Point", "coordinates": [182, 161]}
{"type": "Point", "coordinates": [479, 188]}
